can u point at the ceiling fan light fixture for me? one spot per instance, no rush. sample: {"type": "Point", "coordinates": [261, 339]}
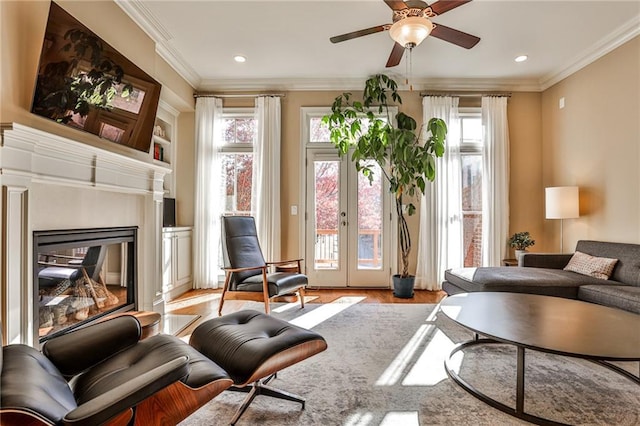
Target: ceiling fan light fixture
{"type": "Point", "coordinates": [411, 31]}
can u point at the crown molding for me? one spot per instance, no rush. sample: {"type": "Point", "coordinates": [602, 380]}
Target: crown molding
{"type": "Point", "coordinates": [177, 62]}
{"type": "Point", "coordinates": [146, 20]}
{"type": "Point", "coordinates": [325, 84]}
{"type": "Point", "coordinates": [614, 40]}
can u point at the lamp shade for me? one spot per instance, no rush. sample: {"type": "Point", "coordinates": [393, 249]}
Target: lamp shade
{"type": "Point", "coordinates": [562, 202]}
{"type": "Point", "coordinates": [411, 31]}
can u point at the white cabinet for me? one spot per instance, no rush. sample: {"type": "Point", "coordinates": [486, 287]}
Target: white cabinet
{"type": "Point", "coordinates": [176, 261]}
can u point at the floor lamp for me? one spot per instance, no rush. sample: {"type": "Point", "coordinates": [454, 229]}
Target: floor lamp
{"type": "Point", "coordinates": [562, 202]}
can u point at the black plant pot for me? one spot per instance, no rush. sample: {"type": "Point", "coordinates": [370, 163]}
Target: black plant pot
{"type": "Point", "coordinates": [403, 287]}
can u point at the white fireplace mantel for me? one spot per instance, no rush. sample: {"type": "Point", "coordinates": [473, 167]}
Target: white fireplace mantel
{"type": "Point", "coordinates": [31, 158]}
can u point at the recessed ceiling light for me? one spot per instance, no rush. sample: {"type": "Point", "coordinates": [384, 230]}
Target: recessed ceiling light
{"type": "Point", "coordinates": [521, 58]}
{"type": "Point", "coordinates": [240, 58]}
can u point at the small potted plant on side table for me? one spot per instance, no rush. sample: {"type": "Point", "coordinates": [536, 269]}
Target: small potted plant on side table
{"type": "Point", "coordinates": [520, 241]}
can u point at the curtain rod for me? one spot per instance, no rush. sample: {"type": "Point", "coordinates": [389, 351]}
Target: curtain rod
{"type": "Point", "coordinates": [466, 95]}
{"type": "Point", "coordinates": [237, 95]}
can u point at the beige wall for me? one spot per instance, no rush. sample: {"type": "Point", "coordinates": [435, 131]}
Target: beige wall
{"type": "Point", "coordinates": [185, 169]}
{"type": "Point", "coordinates": [526, 193]}
{"type": "Point", "coordinates": [594, 143]}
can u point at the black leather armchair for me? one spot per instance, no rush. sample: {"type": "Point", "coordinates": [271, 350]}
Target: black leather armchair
{"type": "Point", "coordinates": [103, 374]}
{"type": "Point", "coordinates": [248, 275]}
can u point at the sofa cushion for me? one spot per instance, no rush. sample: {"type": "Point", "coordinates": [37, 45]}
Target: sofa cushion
{"type": "Point", "coordinates": [627, 268]}
{"type": "Point", "coordinates": [550, 282]}
{"type": "Point", "coordinates": [593, 266]}
{"type": "Point", "coordinates": [617, 296]}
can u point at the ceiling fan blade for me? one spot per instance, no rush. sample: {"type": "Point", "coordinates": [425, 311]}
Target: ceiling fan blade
{"type": "Point", "coordinates": [443, 6]}
{"type": "Point", "coordinates": [396, 4]}
{"type": "Point", "coordinates": [356, 34]}
{"type": "Point", "coordinates": [396, 55]}
{"type": "Point", "coordinates": [454, 36]}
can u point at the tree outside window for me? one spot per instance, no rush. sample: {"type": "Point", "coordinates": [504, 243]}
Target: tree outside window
{"type": "Point", "coordinates": [239, 133]}
{"type": "Point", "coordinates": [471, 158]}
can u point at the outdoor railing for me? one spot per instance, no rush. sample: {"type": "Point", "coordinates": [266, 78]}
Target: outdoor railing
{"type": "Point", "coordinates": [327, 249]}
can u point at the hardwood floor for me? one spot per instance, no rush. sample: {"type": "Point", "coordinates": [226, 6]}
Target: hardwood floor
{"type": "Point", "coordinates": [205, 302]}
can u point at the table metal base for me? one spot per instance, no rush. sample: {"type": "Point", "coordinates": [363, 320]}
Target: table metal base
{"type": "Point", "coordinates": [518, 411]}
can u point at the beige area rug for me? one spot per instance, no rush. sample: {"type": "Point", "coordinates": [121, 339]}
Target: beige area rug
{"type": "Point", "coordinates": [384, 366]}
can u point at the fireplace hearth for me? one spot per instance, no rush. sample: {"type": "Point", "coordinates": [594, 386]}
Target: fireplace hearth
{"type": "Point", "coordinates": [81, 275]}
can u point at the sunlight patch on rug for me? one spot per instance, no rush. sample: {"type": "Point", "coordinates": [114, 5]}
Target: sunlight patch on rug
{"type": "Point", "coordinates": [404, 418]}
{"type": "Point", "coordinates": [427, 370]}
{"type": "Point", "coordinates": [394, 371]}
{"type": "Point", "coordinates": [403, 360]}
{"type": "Point", "coordinates": [326, 311]}
{"type": "Point", "coordinates": [359, 419]}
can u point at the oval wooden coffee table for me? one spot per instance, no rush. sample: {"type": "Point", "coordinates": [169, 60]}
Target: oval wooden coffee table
{"type": "Point", "coordinates": [547, 324]}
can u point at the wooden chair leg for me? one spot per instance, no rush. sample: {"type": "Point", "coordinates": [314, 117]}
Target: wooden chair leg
{"type": "Point", "coordinates": [265, 291]}
{"type": "Point", "coordinates": [227, 278]}
{"type": "Point", "coordinates": [301, 296]}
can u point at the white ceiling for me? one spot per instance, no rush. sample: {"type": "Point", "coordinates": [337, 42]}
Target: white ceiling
{"type": "Point", "coordinates": [287, 42]}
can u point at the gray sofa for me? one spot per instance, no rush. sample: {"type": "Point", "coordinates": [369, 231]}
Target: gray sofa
{"type": "Point", "coordinates": [544, 274]}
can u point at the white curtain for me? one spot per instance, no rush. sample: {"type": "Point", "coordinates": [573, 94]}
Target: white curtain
{"type": "Point", "coordinates": [265, 199]}
{"type": "Point", "coordinates": [209, 196]}
{"type": "Point", "coordinates": [495, 180]}
{"type": "Point", "coordinates": [440, 244]}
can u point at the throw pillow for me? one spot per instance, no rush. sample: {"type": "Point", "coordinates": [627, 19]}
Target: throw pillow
{"type": "Point", "coordinates": [585, 264]}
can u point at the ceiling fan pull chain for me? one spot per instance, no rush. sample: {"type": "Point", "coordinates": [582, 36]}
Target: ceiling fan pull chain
{"type": "Point", "coordinates": [409, 69]}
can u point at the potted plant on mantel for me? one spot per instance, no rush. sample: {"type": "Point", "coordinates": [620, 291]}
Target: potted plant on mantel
{"type": "Point", "coordinates": [520, 241]}
{"type": "Point", "coordinates": [366, 131]}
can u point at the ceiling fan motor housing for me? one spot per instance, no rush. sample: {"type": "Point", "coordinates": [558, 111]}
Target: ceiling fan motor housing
{"type": "Point", "coordinates": [412, 24]}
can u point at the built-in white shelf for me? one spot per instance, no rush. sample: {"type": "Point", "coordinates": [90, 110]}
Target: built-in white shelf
{"type": "Point", "coordinates": [163, 146]}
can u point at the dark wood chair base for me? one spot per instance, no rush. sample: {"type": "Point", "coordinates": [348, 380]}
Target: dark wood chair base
{"type": "Point", "coordinates": [261, 387]}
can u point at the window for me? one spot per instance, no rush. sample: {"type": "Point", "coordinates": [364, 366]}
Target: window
{"type": "Point", "coordinates": [320, 133]}
{"type": "Point", "coordinates": [471, 158]}
{"type": "Point", "coordinates": [239, 133]}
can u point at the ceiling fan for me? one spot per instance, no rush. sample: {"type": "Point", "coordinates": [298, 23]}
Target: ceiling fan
{"type": "Point", "coordinates": [412, 24]}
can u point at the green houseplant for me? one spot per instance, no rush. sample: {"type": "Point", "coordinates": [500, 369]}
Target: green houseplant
{"type": "Point", "coordinates": [365, 130]}
{"type": "Point", "coordinates": [520, 241]}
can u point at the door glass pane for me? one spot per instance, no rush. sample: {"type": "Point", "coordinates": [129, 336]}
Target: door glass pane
{"type": "Point", "coordinates": [318, 131]}
{"type": "Point", "coordinates": [370, 220]}
{"type": "Point", "coordinates": [472, 209]}
{"type": "Point", "coordinates": [327, 220]}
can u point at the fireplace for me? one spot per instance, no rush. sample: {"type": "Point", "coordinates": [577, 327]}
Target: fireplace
{"type": "Point", "coordinates": [81, 275]}
{"type": "Point", "coordinates": [50, 182]}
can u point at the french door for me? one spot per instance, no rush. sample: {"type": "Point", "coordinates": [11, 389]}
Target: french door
{"type": "Point", "coordinates": [348, 229]}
